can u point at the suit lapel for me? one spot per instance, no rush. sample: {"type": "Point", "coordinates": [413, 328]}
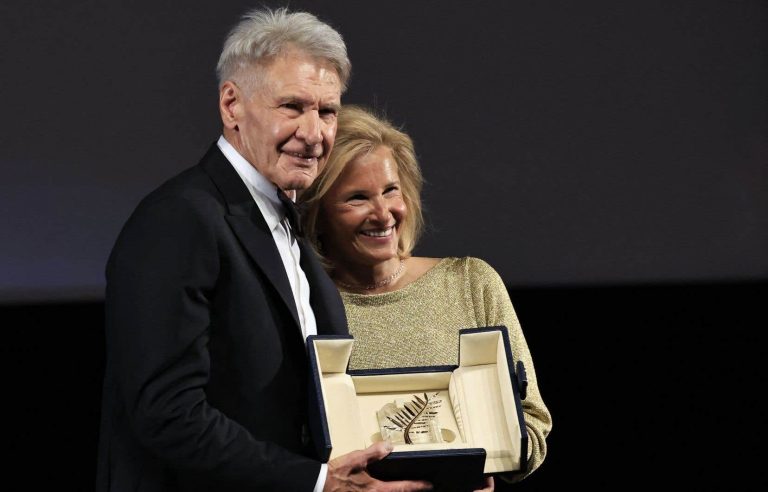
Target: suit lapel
{"type": "Point", "coordinates": [249, 225]}
{"type": "Point", "coordinates": [259, 243]}
{"type": "Point", "coordinates": [323, 295]}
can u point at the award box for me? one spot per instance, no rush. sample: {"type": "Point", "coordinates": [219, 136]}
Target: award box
{"type": "Point", "coordinates": [480, 415]}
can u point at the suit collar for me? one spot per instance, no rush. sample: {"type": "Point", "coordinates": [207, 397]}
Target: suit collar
{"type": "Point", "coordinates": [236, 195]}
{"type": "Point", "coordinates": [261, 189]}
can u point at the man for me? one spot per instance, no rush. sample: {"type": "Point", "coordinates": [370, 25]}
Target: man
{"type": "Point", "coordinates": [211, 295]}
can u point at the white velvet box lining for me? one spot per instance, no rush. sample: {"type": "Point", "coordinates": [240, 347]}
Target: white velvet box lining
{"type": "Point", "coordinates": [478, 407]}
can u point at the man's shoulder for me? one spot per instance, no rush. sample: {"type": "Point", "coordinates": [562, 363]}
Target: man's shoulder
{"type": "Point", "coordinates": [184, 182]}
{"type": "Point", "coordinates": [190, 193]}
{"type": "Point", "coordinates": [191, 184]}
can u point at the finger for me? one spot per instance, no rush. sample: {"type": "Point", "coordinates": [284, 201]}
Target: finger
{"type": "Point", "coordinates": [377, 451]}
{"type": "Point", "coordinates": [403, 486]}
{"type": "Point", "coordinates": [488, 485]}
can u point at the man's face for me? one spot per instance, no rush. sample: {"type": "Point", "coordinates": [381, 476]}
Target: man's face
{"type": "Point", "coordinates": [286, 126]}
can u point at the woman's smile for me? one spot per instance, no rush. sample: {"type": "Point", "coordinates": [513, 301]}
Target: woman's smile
{"type": "Point", "coordinates": [363, 211]}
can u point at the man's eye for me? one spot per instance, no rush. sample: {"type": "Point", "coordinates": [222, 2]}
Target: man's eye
{"type": "Point", "coordinates": [291, 106]}
{"type": "Point", "coordinates": [328, 113]}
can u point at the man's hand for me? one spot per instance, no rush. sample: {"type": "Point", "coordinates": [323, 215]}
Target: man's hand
{"type": "Point", "coordinates": [488, 486]}
{"type": "Point", "coordinates": [348, 473]}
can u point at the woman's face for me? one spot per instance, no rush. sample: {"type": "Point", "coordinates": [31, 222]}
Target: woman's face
{"type": "Point", "coordinates": [361, 215]}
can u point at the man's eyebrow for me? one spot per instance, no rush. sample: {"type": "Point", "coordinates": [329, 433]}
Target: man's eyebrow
{"type": "Point", "coordinates": [305, 101]}
{"type": "Point", "coordinates": [293, 98]}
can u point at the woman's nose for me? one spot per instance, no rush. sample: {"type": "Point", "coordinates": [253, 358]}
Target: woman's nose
{"type": "Point", "coordinates": [381, 211]}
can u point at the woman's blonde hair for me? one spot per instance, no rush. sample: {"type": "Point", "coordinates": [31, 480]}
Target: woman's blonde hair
{"type": "Point", "coordinates": [361, 131]}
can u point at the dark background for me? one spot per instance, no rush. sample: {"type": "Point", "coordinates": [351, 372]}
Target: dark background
{"type": "Point", "coordinates": [610, 159]}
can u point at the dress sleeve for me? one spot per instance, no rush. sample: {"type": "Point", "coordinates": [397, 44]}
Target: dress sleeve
{"type": "Point", "coordinates": [493, 307]}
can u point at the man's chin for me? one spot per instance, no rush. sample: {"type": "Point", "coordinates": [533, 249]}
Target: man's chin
{"type": "Point", "coordinates": [297, 182]}
{"type": "Point", "coordinates": [292, 176]}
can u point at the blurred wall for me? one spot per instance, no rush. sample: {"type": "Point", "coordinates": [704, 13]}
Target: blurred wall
{"type": "Point", "coordinates": [567, 143]}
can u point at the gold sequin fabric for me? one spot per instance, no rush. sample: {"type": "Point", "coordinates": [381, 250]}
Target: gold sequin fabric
{"type": "Point", "coordinates": [419, 324]}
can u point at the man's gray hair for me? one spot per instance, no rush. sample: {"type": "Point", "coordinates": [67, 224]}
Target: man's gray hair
{"type": "Point", "coordinates": [265, 33]}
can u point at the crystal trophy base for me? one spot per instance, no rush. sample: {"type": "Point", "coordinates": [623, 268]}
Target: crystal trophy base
{"type": "Point", "coordinates": [413, 421]}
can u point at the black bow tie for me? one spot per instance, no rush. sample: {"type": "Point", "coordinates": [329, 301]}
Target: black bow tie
{"type": "Point", "coordinates": [291, 212]}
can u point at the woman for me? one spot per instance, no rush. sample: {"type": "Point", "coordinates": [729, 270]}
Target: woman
{"type": "Point", "coordinates": [363, 216]}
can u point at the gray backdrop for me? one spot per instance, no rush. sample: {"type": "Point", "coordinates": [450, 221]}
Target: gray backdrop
{"type": "Point", "coordinates": [567, 143]}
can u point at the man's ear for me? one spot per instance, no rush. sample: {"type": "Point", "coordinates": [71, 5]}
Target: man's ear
{"type": "Point", "coordinates": [230, 104]}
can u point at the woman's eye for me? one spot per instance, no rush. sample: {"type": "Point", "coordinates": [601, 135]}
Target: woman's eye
{"type": "Point", "coordinates": [356, 197]}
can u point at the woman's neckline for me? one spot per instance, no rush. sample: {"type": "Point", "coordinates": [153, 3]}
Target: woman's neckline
{"type": "Point", "coordinates": [421, 278]}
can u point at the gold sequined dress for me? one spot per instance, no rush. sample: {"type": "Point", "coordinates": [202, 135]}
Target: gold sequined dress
{"type": "Point", "coordinates": [428, 313]}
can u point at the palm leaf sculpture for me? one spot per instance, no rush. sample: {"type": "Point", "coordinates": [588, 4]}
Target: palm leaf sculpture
{"type": "Point", "coordinates": [415, 416]}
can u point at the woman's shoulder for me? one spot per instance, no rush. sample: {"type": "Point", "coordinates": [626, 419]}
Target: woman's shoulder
{"type": "Point", "coordinates": [478, 273]}
{"type": "Point", "coordinates": [472, 271]}
{"type": "Point", "coordinates": [469, 264]}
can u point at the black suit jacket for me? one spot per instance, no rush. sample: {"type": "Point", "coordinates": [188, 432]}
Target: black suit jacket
{"type": "Point", "coordinates": [205, 384]}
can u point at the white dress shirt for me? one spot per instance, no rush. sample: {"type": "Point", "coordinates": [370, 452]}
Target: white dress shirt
{"type": "Point", "coordinates": [264, 193]}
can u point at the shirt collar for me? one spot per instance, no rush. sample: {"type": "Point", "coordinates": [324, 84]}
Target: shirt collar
{"type": "Point", "coordinates": [263, 191]}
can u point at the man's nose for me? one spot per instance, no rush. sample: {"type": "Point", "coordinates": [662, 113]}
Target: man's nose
{"type": "Point", "coordinates": [309, 128]}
